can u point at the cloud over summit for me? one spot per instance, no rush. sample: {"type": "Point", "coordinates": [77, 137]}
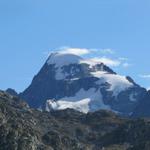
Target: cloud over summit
{"type": "Point", "coordinates": [106, 55]}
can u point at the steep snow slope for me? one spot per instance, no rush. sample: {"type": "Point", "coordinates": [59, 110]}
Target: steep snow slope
{"type": "Point", "coordinates": [117, 83]}
{"type": "Point", "coordinates": [59, 59]}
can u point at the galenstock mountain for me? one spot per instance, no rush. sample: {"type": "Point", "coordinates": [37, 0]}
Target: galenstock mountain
{"type": "Point", "coordinates": [70, 81]}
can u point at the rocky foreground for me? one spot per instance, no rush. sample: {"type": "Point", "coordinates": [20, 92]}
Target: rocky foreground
{"type": "Point", "coordinates": [22, 128]}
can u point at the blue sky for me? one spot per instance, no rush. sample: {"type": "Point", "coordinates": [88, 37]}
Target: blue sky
{"type": "Point", "coordinates": [31, 28]}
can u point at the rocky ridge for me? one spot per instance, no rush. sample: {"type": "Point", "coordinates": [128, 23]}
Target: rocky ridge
{"type": "Point", "coordinates": [23, 128]}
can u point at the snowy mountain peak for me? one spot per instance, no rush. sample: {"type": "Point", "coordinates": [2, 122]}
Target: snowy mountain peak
{"type": "Point", "coordinates": [71, 66]}
{"type": "Point", "coordinates": [69, 81]}
{"type": "Point", "coordinates": [63, 59]}
{"type": "Point", "coordinates": [60, 59]}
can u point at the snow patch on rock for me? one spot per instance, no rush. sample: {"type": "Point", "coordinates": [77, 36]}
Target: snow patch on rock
{"type": "Point", "coordinates": [133, 97]}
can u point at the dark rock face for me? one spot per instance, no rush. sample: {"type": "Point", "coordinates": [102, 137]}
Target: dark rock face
{"type": "Point", "coordinates": [45, 86]}
{"type": "Point", "coordinates": [143, 108]}
{"type": "Point", "coordinates": [22, 128]}
{"type": "Point", "coordinates": [123, 103]}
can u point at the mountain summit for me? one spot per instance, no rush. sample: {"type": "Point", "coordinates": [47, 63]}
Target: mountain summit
{"type": "Point", "coordinates": [62, 59]}
{"type": "Point", "coordinates": [69, 81]}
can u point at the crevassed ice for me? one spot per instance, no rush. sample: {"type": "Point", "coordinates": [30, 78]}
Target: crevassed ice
{"type": "Point", "coordinates": [83, 101]}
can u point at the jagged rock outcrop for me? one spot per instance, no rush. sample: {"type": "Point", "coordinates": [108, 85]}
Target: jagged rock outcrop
{"type": "Point", "coordinates": [12, 92]}
{"type": "Point", "coordinates": [143, 108]}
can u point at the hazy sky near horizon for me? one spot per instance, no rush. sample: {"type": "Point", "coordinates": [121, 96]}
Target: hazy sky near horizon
{"type": "Point", "coordinates": [29, 29]}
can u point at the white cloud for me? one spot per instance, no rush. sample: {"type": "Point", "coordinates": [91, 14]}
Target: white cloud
{"type": "Point", "coordinates": [97, 55]}
{"type": "Point", "coordinates": [126, 65]}
{"type": "Point", "coordinates": [148, 88]}
{"type": "Point", "coordinates": [117, 62]}
{"type": "Point", "coordinates": [81, 51]}
{"type": "Point", "coordinates": [123, 59]}
{"type": "Point", "coordinates": [107, 50]}
{"type": "Point", "coordinates": [146, 76]}
{"type": "Point", "coordinates": [107, 61]}
{"type": "Point", "coordinates": [102, 51]}
{"type": "Point", "coordinates": [84, 51]}
{"type": "Point", "coordinates": [76, 51]}
{"type": "Point", "coordinates": [64, 50]}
